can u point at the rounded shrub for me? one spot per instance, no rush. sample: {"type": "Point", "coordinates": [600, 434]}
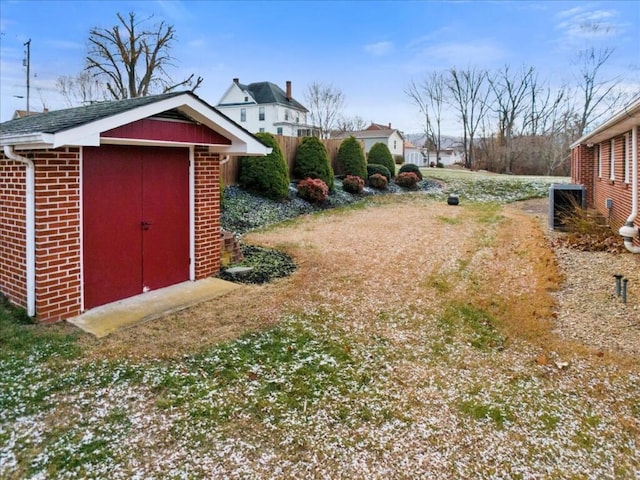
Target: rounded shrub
{"type": "Point", "coordinates": [353, 184]}
{"type": "Point", "coordinates": [312, 161]}
{"type": "Point", "coordinates": [378, 181]}
{"type": "Point", "coordinates": [267, 176]}
{"type": "Point", "coordinates": [407, 180]}
{"type": "Point", "coordinates": [351, 158]}
{"type": "Point", "coordinates": [399, 159]}
{"type": "Point", "coordinates": [374, 168]}
{"type": "Point", "coordinates": [313, 190]}
{"type": "Point", "coordinates": [411, 167]}
{"type": "Point", "coordinates": [381, 155]}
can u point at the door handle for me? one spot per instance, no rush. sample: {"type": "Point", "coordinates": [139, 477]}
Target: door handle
{"type": "Point", "coordinates": [146, 225]}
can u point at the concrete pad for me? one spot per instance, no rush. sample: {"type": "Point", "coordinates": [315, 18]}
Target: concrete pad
{"type": "Point", "coordinates": [106, 319]}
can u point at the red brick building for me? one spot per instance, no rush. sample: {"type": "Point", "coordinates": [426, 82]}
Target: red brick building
{"type": "Point", "coordinates": [605, 161]}
{"type": "Point", "coordinates": [107, 201]}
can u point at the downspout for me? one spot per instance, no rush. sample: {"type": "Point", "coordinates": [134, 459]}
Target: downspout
{"type": "Point", "coordinates": [30, 206]}
{"type": "Point", "coordinates": [628, 231]}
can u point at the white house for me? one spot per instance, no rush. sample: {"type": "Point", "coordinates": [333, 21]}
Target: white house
{"type": "Point", "coordinates": [412, 154]}
{"type": "Point", "coordinates": [265, 107]}
{"type": "Point", "coordinates": [376, 133]}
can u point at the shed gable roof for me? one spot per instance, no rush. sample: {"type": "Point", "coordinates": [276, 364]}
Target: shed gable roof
{"type": "Point", "coordinates": [82, 126]}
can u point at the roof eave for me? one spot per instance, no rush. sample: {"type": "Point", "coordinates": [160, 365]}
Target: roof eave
{"type": "Point", "coordinates": [29, 140]}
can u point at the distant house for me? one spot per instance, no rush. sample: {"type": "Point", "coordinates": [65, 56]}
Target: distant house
{"type": "Point", "coordinates": [265, 107]}
{"type": "Point", "coordinates": [111, 200]}
{"type": "Point", "coordinates": [605, 162]}
{"type": "Point", "coordinates": [412, 154]}
{"type": "Point", "coordinates": [377, 133]}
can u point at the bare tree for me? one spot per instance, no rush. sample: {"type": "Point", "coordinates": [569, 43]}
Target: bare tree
{"type": "Point", "coordinates": [81, 89]}
{"type": "Point", "coordinates": [469, 95]}
{"type": "Point", "coordinates": [510, 92]}
{"type": "Point", "coordinates": [325, 102]}
{"type": "Point", "coordinates": [350, 124]}
{"type": "Point", "coordinates": [599, 95]}
{"type": "Point", "coordinates": [429, 97]}
{"type": "Point", "coordinates": [132, 59]}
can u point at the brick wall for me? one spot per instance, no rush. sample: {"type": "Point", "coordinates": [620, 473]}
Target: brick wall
{"type": "Point", "coordinates": [583, 169]}
{"type": "Point", "coordinates": [13, 278]}
{"type": "Point", "coordinates": [58, 285]}
{"type": "Point", "coordinates": [616, 189]}
{"type": "Point", "coordinates": [57, 235]}
{"type": "Point", "coordinates": [207, 212]}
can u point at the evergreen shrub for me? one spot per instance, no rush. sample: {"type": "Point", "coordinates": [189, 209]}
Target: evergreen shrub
{"type": "Point", "coordinates": [410, 167]}
{"type": "Point", "coordinates": [353, 184]}
{"type": "Point", "coordinates": [267, 176]}
{"type": "Point", "coordinates": [378, 181]}
{"type": "Point", "coordinates": [313, 190]}
{"type": "Point", "coordinates": [374, 168]}
{"type": "Point", "coordinates": [407, 180]}
{"type": "Point", "coordinates": [381, 155]}
{"type": "Point", "coordinates": [351, 158]}
{"type": "Point", "coordinates": [312, 161]}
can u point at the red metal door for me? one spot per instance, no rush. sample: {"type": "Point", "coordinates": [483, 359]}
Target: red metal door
{"type": "Point", "coordinates": [112, 208]}
{"type": "Point", "coordinates": [165, 217]}
{"type": "Point", "coordinates": [135, 220]}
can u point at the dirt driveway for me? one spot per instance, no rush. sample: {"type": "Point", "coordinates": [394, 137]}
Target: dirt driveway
{"type": "Point", "coordinates": [409, 251]}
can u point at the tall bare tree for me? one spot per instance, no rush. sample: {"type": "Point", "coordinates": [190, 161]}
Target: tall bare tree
{"type": "Point", "coordinates": [469, 96]}
{"type": "Point", "coordinates": [598, 95]}
{"type": "Point", "coordinates": [429, 97]}
{"type": "Point", "coordinates": [325, 103]}
{"type": "Point", "coordinates": [510, 91]}
{"type": "Point", "coordinates": [132, 59]}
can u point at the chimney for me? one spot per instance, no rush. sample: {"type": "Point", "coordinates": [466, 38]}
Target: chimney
{"type": "Point", "coordinates": [236, 80]}
{"type": "Point", "coordinates": [288, 90]}
{"type": "Point", "coordinates": [389, 125]}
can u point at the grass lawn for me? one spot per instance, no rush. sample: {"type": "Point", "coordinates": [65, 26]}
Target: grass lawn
{"type": "Point", "coordinates": [413, 341]}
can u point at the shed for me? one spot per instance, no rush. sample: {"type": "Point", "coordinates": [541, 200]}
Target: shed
{"type": "Point", "coordinates": [110, 200]}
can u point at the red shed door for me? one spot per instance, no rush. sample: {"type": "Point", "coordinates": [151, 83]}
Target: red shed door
{"type": "Point", "coordinates": [135, 220]}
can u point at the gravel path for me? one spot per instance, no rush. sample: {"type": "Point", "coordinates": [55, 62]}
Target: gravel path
{"type": "Point", "coordinates": [588, 309]}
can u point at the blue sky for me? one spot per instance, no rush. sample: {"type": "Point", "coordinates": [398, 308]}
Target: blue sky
{"type": "Point", "coordinates": [369, 50]}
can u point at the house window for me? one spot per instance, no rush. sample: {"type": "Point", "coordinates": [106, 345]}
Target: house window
{"type": "Point", "coordinates": [297, 119]}
{"type": "Point", "coordinates": [279, 131]}
{"type": "Point", "coordinates": [286, 115]}
{"type": "Point", "coordinates": [261, 129]}
{"type": "Point", "coordinates": [246, 99]}
{"type": "Point", "coordinates": [261, 114]}
{"type": "Point", "coordinates": [626, 157]}
{"type": "Point", "coordinates": [612, 160]}
{"type": "Point", "coordinates": [394, 144]}
{"type": "Point", "coordinates": [243, 114]}
{"type": "Point", "coordinates": [599, 160]}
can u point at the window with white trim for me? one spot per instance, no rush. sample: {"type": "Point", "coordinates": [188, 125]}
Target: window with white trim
{"type": "Point", "coordinates": [599, 160]}
{"type": "Point", "coordinates": [612, 160]}
{"type": "Point", "coordinates": [626, 157]}
{"type": "Point", "coordinates": [286, 115]}
{"type": "Point", "coordinates": [243, 114]}
{"type": "Point", "coordinates": [261, 129]}
{"type": "Point", "coordinates": [261, 114]}
{"type": "Point", "coordinates": [279, 130]}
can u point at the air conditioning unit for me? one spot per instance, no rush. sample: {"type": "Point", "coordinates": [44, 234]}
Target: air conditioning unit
{"type": "Point", "coordinates": [563, 199]}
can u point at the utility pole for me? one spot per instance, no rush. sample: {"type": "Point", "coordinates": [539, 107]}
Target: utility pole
{"type": "Point", "coordinates": [27, 63]}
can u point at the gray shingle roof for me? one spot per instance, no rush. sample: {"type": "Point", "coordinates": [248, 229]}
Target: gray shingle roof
{"type": "Point", "coordinates": [60, 120]}
{"type": "Point", "coordinates": [267, 92]}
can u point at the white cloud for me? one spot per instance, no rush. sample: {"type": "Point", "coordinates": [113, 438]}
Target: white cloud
{"type": "Point", "coordinates": [578, 24]}
{"type": "Point", "coordinates": [378, 49]}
